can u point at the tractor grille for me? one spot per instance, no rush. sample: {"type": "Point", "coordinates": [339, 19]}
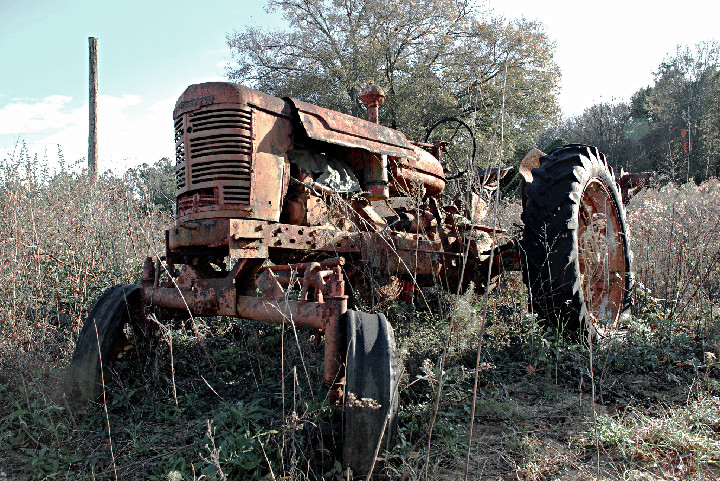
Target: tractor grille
{"type": "Point", "coordinates": [227, 118]}
{"type": "Point", "coordinates": [180, 177]}
{"type": "Point", "coordinates": [179, 154]}
{"type": "Point", "coordinates": [215, 148]}
{"type": "Point", "coordinates": [230, 144]}
{"type": "Point", "coordinates": [221, 147]}
{"type": "Point", "coordinates": [198, 200]}
{"type": "Point", "coordinates": [179, 141]}
{"type": "Point", "coordinates": [236, 194]}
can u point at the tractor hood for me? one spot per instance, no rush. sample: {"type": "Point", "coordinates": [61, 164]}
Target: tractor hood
{"type": "Point", "coordinates": [348, 131]}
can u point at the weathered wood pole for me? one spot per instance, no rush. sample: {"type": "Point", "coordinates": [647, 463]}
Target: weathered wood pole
{"type": "Point", "coordinates": [92, 135]}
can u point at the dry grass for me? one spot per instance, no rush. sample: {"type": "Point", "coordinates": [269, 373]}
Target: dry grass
{"type": "Point", "coordinates": [64, 240]}
{"type": "Point", "coordinates": [655, 414]}
{"type": "Point", "coordinates": [675, 232]}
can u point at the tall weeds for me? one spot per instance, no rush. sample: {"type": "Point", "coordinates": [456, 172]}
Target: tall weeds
{"type": "Point", "coordinates": [63, 240]}
{"type": "Point", "coordinates": [676, 240]}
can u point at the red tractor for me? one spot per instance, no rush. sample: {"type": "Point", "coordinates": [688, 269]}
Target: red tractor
{"type": "Point", "coordinates": [278, 195]}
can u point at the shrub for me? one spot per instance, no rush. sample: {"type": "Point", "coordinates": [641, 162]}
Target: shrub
{"type": "Point", "coordinates": [64, 240]}
{"type": "Point", "coordinates": [676, 240]}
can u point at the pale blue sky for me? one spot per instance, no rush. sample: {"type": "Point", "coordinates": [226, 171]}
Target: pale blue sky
{"type": "Point", "coordinates": [151, 50]}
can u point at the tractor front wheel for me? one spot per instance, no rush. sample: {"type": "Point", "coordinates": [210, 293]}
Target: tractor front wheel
{"type": "Point", "coordinates": [100, 341]}
{"type": "Point", "coordinates": [371, 391]}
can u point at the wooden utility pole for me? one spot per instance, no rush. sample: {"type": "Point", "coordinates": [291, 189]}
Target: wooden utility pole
{"type": "Point", "coordinates": [92, 135]}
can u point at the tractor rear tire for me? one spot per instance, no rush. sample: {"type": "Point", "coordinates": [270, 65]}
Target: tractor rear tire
{"type": "Point", "coordinates": [371, 391]}
{"type": "Point", "coordinates": [103, 328]}
{"type": "Point", "coordinates": [578, 259]}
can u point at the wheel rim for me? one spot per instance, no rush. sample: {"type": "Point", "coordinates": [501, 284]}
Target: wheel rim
{"type": "Point", "coordinates": [601, 255]}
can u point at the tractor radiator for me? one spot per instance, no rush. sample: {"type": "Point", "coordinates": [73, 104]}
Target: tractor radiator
{"type": "Point", "coordinates": [214, 159]}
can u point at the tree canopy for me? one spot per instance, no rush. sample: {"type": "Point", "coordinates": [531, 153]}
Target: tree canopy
{"type": "Point", "coordinates": [153, 184]}
{"type": "Point", "coordinates": [433, 58]}
{"type": "Point", "coordinates": [671, 127]}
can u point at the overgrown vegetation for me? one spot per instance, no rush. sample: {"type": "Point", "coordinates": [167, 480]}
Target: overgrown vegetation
{"type": "Point", "coordinates": [64, 240]}
{"type": "Point", "coordinates": [219, 399]}
{"type": "Point", "coordinates": [670, 127]}
{"type": "Point", "coordinates": [232, 399]}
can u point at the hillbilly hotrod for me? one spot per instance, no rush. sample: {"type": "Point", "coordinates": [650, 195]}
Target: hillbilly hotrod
{"type": "Point", "coordinates": [275, 195]}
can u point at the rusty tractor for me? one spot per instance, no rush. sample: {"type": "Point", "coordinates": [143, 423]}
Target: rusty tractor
{"type": "Point", "coordinates": [278, 195]}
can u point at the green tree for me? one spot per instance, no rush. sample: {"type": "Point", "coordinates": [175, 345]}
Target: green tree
{"type": "Point", "coordinates": [671, 127]}
{"type": "Point", "coordinates": [433, 58]}
{"type": "Point", "coordinates": [153, 184]}
{"type": "Point", "coordinates": [685, 105]}
{"type": "Point", "coordinates": [605, 126]}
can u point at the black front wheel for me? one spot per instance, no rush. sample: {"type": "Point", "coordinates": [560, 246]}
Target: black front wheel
{"type": "Point", "coordinates": [371, 391]}
{"type": "Point", "coordinates": [100, 341]}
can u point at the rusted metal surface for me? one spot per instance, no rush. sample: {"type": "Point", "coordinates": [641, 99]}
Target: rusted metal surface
{"type": "Point", "coordinates": [376, 177]}
{"type": "Point", "coordinates": [252, 187]}
{"type": "Point", "coordinates": [324, 317]}
{"type": "Point", "coordinates": [205, 95]}
{"type": "Point", "coordinates": [602, 255]}
{"type": "Point", "coordinates": [148, 272]}
{"type": "Point", "coordinates": [246, 235]}
{"type": "Point", "coordinates": [282, 311]}
{"type": "Point", "coordinates": [402, 253]}
{"type": "Point", "coordinates": [200, 295]}
{"type": "Point", "coordinates": [262, 181]}
{"type": "Point", "coordinates": [345, 130]}
{"type": "Point", "coordinates": [631, 184]}
{"type": "Point", "coordinates": [322, 310]}
{"type": "Point", "coordinates": [194, 293]}
{"type": "Point", "coordinates": [418, 247]}
{"type": "Point", "coordinates": [207, 233]}
{"type": "Point", "coordinates": [423, 171]}
{"type": "Point", "coordinates": [373, 97]}
{"type": "Point", "coordinates": [321, 304]}
{"type": "Point", "coordinates": [331, 262]}
{"type": "Point", "coordinates": [230, 140]}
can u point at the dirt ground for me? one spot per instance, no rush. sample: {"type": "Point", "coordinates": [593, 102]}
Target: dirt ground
{"type": "Point", "coordinates": [550, 435]}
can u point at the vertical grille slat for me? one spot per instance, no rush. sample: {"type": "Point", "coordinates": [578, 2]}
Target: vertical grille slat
{"type": "Point", "coordinates": [179, 153]}
{"type": "Point", "coordinates": [179, 141]}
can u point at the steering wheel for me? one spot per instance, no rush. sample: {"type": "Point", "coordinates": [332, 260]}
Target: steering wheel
{"type": "Point", "coordinates": [457, 143]}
